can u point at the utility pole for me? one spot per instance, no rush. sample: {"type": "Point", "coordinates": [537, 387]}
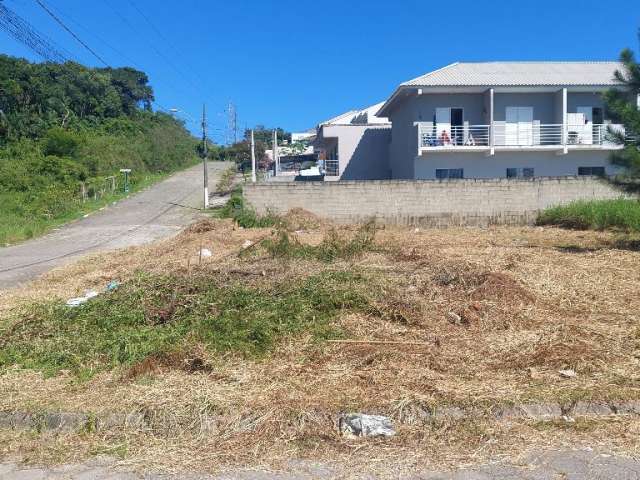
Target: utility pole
{"type": "Point", "coordinates": [204, 157]}
{"type": "Point", "coordinates": [253, 158]}
{"type": "Point", "coordinates": [276, 160]}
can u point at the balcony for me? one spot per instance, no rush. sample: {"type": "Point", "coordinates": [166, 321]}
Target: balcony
{"type": "Point", "coordinates": [504, 136]}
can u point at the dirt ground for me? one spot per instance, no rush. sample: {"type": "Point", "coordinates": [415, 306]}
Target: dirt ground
{"type": "Point", "coordinates": [473, 318]}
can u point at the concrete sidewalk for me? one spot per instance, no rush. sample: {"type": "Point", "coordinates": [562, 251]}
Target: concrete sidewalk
{"type": "Point", "coordinates": [157, 212]}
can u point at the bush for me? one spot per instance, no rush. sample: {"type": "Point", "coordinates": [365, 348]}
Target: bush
{"type": "Point", "coordinates": [243, 214]}
{"type": "Point", "coordinates": [61, 143]}
{"type": "Point", "coordinates": [621, 214]}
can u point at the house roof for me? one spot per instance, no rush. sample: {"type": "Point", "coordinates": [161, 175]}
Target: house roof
{"type": "Point", "coordinates": [480, 75]}
{"type": "Point", "coordinates": [520, 74]}
{"type": "Point", "coordinates": [358, 117]}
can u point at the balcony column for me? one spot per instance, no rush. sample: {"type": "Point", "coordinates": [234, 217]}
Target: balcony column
{"type": "Point", "coordinates": [492, 150]}
{"type": "Point", "coordinates": [565, 131]}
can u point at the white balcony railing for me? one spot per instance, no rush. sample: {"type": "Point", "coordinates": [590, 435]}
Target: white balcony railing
{"type": "Point", "coordinates": [331, 168]}
{"type": "Point", "coordinates": [522, 134]}
{"type": "Point", "coordinates": [434, 135]}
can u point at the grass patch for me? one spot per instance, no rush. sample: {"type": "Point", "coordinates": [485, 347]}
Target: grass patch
{"type": "Point", "coordinates": [621, 214]}
{"type": "Point", "coordinates": [156, 316]}
{"type": "Point", "coordinates": [333, 246]}
{"type": "Point", "coordinates": [22, 217]}
{"type": "Point", "coordinates": [243, 214]}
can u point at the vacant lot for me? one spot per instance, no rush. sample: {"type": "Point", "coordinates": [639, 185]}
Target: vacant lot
{"type": "Point", "coordinates": [282, 328]}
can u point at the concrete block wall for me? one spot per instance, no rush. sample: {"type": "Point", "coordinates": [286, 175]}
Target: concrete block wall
{"type": "Point", "coordinates": [432, 203]}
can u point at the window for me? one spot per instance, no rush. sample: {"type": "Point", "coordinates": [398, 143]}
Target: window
{"type": "Point", "coordinates": [597, 171]}
{"type": "Point", "coordinates": [444, 173]}
{"type": "Point", "coordinates": [526, 172]}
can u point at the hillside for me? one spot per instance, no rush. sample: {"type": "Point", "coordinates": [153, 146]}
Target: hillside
{"type": "Point", "coordinates": [65, 128]}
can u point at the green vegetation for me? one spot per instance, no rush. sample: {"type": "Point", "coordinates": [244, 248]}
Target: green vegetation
{"type": "Point", "coordinates": [155, 316]}
{"type": "Point", "coordinates": [243, 214]}
{"type": "Point", "coordinates": [622, 108]}
{"type": "Point", "coordinates": [623, 214]}
{"type": "Point", "coordinates": [333, 246]}
{"type": "Point", "coordinates": [225, 182]}
{"type": "Point", "coordinates": [64, 125]}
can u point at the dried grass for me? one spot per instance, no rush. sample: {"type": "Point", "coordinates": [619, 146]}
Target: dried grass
{"type": "Point", "coordinates": [525, 304]}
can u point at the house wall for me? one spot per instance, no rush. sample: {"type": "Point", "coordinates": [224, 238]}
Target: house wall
{"type": "Point", "coordinates": [428, 202]}
{"type": "Point", "coordinates": [363, 150]}
{"type": "Point", "coordinates": [543, 105]}
{"type": "Point", "coordinates": [547, 109]}
{"type": "Point", "coordinates": [579, 99]}
{"type": "Point", "coordinates": [422, 108]}
{"type": "Point", "coordinates": [479, 165]}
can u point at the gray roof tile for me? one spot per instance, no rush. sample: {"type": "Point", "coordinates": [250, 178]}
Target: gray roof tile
{"type": "Point", "coordinates": [520, 74]}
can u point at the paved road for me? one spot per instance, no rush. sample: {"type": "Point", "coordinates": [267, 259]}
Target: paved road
{"type": "Point", "coordinates": [141, 218]}
{"type": "Point", "coordinates": [557, 465]}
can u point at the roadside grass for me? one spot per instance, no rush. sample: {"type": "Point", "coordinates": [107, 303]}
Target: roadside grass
{"type": "Point", "coordinates": [21, 218]}
{"type": "Point", "coordinates": [621, 214]}
{"type": "Point", "coordinates": [164, 316]}
{"type": "Point", "coordinates": [242, 214]}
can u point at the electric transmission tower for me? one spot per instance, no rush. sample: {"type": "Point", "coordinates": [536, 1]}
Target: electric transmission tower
{"type": "Point", "coordinates": [232, 124]}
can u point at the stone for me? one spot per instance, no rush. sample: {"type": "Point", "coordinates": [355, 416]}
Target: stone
{"type": "Point", "coordinates": [363, 425]}
{"type": "Point", "coordinates": [454, 318]}
{"type": "Point", "coordinates": [582, 409]}
{"type": "Point", "coordinates": [65, 421]}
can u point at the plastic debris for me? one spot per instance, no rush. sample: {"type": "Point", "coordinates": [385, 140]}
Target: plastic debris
{"type": "Point", "coordinates": [568, 373]}
{"type": "Point", "coordinates": [363, 425]}
{"type": "Point", "coordinates": [205, 253]}
{"type": "Point", "coordinates": [89, 294]}
{"type": "Point", "coordinates": [75, 302]}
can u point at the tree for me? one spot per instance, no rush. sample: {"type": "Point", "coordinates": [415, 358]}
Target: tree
{"type": "Point", "coordinates": [622, 107]}
{"type": "Point", "coordinates": [265, 135]}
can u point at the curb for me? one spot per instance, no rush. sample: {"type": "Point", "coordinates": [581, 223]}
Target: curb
{"type": "Point", "coordinates": [413, 415]}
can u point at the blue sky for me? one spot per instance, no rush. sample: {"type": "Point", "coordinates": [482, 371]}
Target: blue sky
{"type": "Point", "coordinates": [293, 63]}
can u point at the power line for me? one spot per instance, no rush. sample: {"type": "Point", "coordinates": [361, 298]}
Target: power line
{"type": "Point", "coordinates": [24, 33]}
{"type": "Point", "coordinates": [61, 23]}
{"type": "Point", "coordinates": [165, 39]}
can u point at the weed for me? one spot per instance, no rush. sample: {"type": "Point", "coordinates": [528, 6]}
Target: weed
{"type": "Point", "coordinates": [116, 329]}
{"type": "Point", "coordinates": [622, 214]}
{"type": "Point", "coordinates": [225, 182]}
{"type": "Point", "coordinates": [243, 214]}
{"type": "Point", "coordinates": [333, 246]}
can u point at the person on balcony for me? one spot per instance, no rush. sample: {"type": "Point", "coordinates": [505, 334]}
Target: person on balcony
{"type": "Point", "coordinates": [444, 138]}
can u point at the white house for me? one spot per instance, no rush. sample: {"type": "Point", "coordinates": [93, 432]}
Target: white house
{"type": "Point", "coordinates": [355, 145]}
{"type": "Point", "coordinates": [501, 119]}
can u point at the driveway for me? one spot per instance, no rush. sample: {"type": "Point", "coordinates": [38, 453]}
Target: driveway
{"type": "Point", "coordinates": [157, 212]}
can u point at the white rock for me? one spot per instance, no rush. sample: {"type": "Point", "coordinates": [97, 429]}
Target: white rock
{"type": "Point", "coordinates": [363, 425]}
{"type": "Point", "coordinates": [205, 252]}
{"type": "Point", "coordinates": [247, 244]}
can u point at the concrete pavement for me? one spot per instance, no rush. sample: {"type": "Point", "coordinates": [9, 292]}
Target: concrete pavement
{"type": "Point", "coordinates": [551, 465]}
{"type": "Point", "coordinates": [157, 212]}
